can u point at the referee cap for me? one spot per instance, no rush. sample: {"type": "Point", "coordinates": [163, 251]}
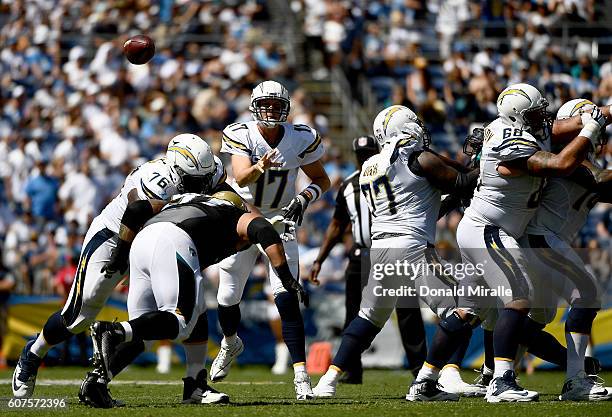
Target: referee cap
{"type": "Point", "coordinates": [365, 143]}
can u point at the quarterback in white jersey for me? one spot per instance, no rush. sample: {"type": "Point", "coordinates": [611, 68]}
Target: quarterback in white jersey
{"type": "Point", "coordinates": [514, 155]}
{"type": "Point", "coordinates": [403, 185]}
{"type": "Point", "coordinates": [188, 165]}
{"type": "Point", "coordinates": [266, 154]}
{"type": "Point", "coordinates": [557, 270]}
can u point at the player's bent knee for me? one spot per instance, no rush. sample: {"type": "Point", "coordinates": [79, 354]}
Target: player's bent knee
{"type": "Point", "coordinates": [455, 323]}
{"type": "Point", "coordinates": [521, 304]}
{"type": "Point", "coordinates": [543, 316]}
{"type": "Point", "coordinates": [580, 320]}
{"type": "Point", "coordinates": [377, 316]}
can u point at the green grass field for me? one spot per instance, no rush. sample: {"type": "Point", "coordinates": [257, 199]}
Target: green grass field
{"type": "Point", "coordinates": [256, 392]}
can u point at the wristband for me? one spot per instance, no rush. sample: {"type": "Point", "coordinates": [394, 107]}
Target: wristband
{"type": "Point", "coordinates": [591, 131]}
{"type": "Point", "coordinates": [314, 190]}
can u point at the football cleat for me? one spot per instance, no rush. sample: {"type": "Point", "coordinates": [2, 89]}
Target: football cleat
{"type": "Point", "coordinates": [450, 381]}
{"type": "Point", "coordinates": [583, 387]}
{"type": "Point", "coordinates": [95, 393]}
{"type": "Point", "coordinates": [228, 352]}
{"type": "Point", "coordinates": [485, 377]}
{"type": "Point", "coordinates": [352, 378]}
{"type": "Point", "coordinates": [24, 376]}
{"type": "Point", "coordinates": [303, 389]}
{"type": "Point", "coordinates": [197, 391]}
{"type": "Point", "coordinates": [429, 390]}
{"type": "Point", "coordinates": [105, 336]}
{"type": "Point", "coordinates": [591, 365]}
{"type": "Point", "coordinates": [506, 389]}
{"type": "Point", "coordinates": [326, 388]}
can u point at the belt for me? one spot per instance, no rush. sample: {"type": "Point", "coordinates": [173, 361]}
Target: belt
{"type": "Point", "coordinates": [387, 235]}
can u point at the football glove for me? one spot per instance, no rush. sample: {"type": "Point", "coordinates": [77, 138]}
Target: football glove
{"type": "Point", "coordinates": [284, 227]}
{"type": "Point", "coordinates": [596, 114]}
{"type": "Point", "coordinates": [296, 208]}
{"type": "Point", "coordinates": [291, 285]}
{"type": "Point", "coordinates": [118, 261]}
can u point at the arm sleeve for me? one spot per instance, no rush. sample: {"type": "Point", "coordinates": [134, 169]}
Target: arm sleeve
{"type": "Point", "coordinates": [232, 144]}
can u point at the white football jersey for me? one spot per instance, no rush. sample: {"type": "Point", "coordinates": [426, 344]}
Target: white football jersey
{"type": "Point", "coordinates": [506, 202]}
{"type": "Point", "coordinates": [399, 200]}
{"type": "Point", "coordinates": [300, 145]}
{"type": "Point", "coordinates": [152, 180]}
{"type": "Point", "coordinates": [564, 209]}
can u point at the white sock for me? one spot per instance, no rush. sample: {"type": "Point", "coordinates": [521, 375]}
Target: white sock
{"type": "Point", "coordinates": [40, 347]}
{"type": "Point", "coordinates": [195, 358]}
{"type": "Point", "coordinates": [333, 374]}
{"type": "Point", "coordinates": [229, 340]}
{"type": "Point", "coordinates": [501, 366]}
{"type": "Point", "coordinates": [428, 372]}
{"type": "Point", "coordinates": [127, 328]}
{"type": "Point", "coordinates": [576, 349]}
{"type": "Point", "coordinates": [451, 371]}
{"type": "Point", "coordinates": [164, 359]}
{"type": "Point", "coordinates": [299, 367]}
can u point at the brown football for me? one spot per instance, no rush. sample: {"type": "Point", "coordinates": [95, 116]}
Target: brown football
{"type": "Point", "coordinates": [139, 49]}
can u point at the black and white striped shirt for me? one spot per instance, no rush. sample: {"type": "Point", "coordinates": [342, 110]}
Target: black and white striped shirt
{"type": "Point", "coordinates": [351, 206]}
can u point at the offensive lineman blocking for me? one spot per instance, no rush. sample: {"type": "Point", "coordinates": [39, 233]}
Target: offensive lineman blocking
{"type": "Point", "coordinates": [189, 165]}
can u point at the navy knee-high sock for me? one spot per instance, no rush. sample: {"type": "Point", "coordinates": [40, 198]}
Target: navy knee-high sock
{"type": "Point", "coordinates": [55, 330]}
{"type": "Point", "coordinates": [292, 325]}
{"type": "Point", "coordinates": [489, 360]}
{"type": "Point", "coordinates": [156, 325]}
{"type": "Point", "coordinates": [229, 319]}
{"type": "Point", "coordinates": [459, 353]}
{"type": "Point", "coordinates": [357, 337]}
{"type": "Point", "coordinates": [507, 333]}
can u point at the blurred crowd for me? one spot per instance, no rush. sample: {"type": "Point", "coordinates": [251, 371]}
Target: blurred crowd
{"type": "Point", "coordinates": [76, 118]}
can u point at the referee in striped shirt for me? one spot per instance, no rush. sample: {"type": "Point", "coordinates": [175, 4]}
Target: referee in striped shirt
{"type": "Point", "coordinates": [352, 208]}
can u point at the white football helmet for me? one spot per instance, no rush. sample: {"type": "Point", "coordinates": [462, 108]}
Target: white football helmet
{"type": "Point", "coordinates": [574, 107]}
{"type": "Point", "coordinates": [522, 106]}
{"type": "Point", "coordinates": [272, 113]}
{"type": "Point", "coordinates": [393, 121]}
{"type": "Point", "coordinates": [193, 159]}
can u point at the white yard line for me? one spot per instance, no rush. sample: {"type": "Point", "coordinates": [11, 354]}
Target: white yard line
{"type": "Point", "coordinates": [140, 382]}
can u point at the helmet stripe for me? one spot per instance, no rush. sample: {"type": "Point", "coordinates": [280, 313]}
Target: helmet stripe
{"type": "Point", "coordinates": [511, 92]}
{"type": "Point", "coordinates": [390, 113]}
{"type": "Point", "coordinates": [187, 154]}
{"type": "Point", "coordinates": [579, 105]}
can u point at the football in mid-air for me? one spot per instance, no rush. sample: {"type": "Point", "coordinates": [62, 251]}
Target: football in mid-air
{"type": "Point", "coordinates": [139, 49]}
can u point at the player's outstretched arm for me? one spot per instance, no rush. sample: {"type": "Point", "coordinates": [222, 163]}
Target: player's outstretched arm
{"type": "Point", "coordinates": [564, 131]}
{"type": "Point", "coordinates": [546, 164]}
{"type": "Point", "coordinates": [257, 230]}
{"type": "Point", "coordinates": [443, 176]}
